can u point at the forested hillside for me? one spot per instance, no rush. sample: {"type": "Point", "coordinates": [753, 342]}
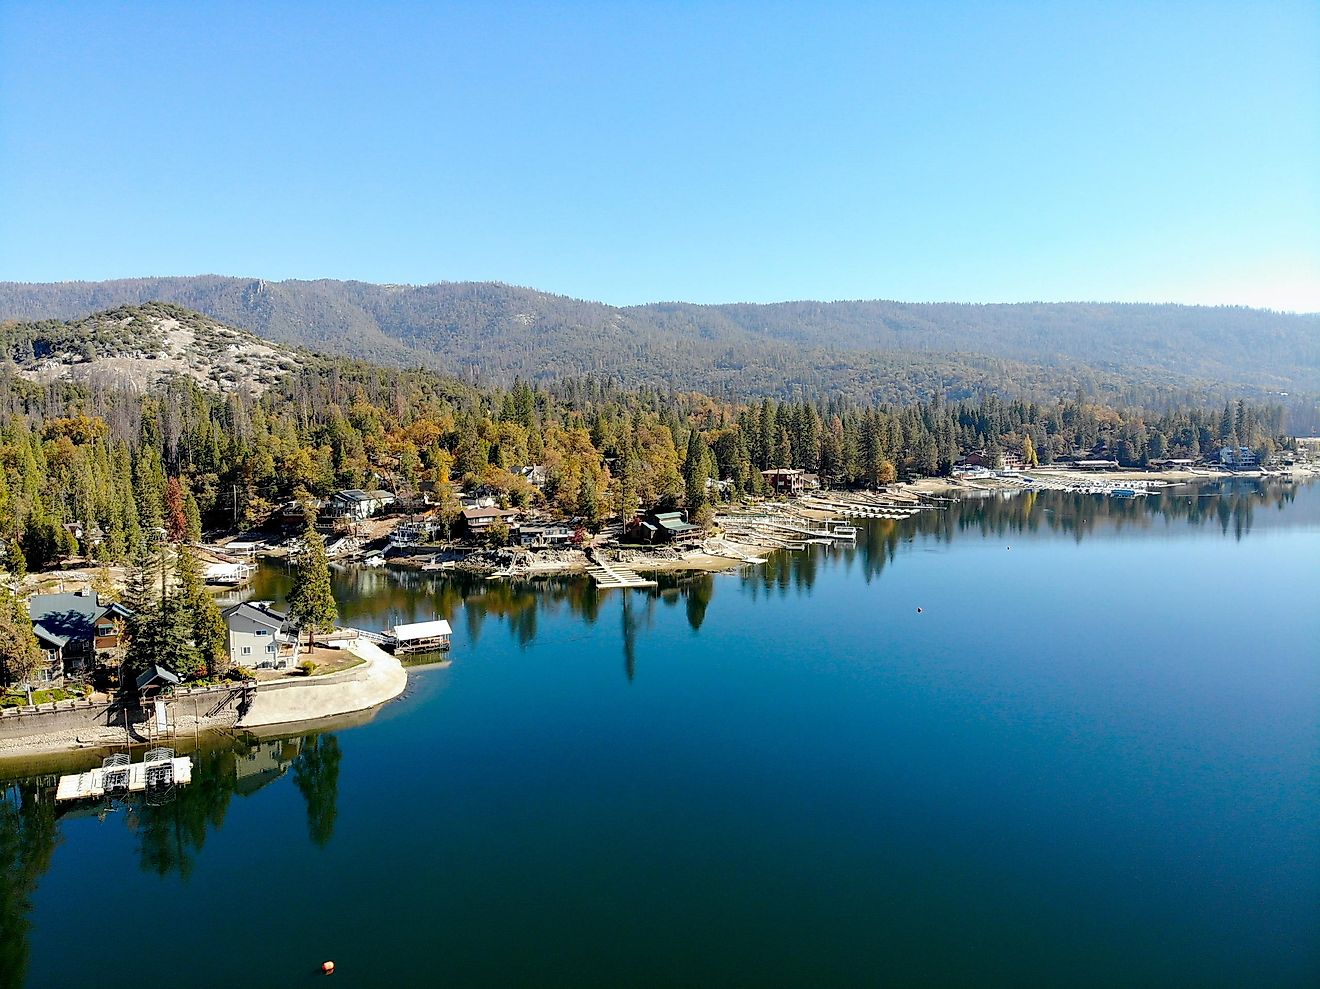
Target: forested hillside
{"type": "Point", "coordinates": [487, 333]}
{"type": "Point", "coordinates": [92, 467]}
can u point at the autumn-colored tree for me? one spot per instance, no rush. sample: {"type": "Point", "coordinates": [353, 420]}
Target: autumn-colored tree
{"type": "Point", "coordinates": [20, 653]}
{"type": "Point", "coordinates": [176, 511]}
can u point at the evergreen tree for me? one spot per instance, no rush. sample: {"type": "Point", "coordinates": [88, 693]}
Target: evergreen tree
{"type": "Point", "coordinates": [311, 601]}
{"type": "Point", "coordinates": [208, 632]}
{"type": "Point", "coordinates": [695, 473]}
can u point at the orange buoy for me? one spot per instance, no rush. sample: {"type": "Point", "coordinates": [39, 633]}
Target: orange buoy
{"type": "Point", "coordinates": [328, 968]}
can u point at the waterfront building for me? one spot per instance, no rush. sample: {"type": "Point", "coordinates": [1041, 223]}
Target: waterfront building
{"type": "Point", "coordinates": [356, 505]}
{"type": "Point", "coordinates": [1238, 458]}
{"type": "Point", "coordinates": [478, 520]}
{"type": "Point", "coordinates": [260, 637]}
{"type": "Point", "coordinates": [75, 629]}
{"type": "Point", "coordinates": [543, 535]}
{"type": "Point", "coordinates": [662, 527]}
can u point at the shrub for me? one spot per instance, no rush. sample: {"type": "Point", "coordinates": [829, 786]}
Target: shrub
{"type": "Point", "coordinates": [307, 667]}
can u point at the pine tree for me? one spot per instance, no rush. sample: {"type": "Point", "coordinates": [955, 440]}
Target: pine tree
{"type": "Point", "coordinates": [695, 473]}
{"type": "Point", "coordinates": [311, 601]}
{"type": "Point", "coordinates": [208, 631]}
{"type": "Point", "coordinates": [588, 504]}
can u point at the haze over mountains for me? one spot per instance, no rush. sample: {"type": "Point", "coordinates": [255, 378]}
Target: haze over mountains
{"type": "Point", "coordinates": [873, 350]}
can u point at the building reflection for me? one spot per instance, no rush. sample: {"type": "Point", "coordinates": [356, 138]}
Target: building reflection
{"type": "Point", "coordinates": [378, 598]}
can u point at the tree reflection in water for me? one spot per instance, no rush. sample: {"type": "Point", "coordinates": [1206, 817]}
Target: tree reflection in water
{"type": "Point", "coordinates": [379, 599]}
{"type": "Point", "coordinates": [316, 774]}
{"type": "Point", "coordinates": [28, 837]}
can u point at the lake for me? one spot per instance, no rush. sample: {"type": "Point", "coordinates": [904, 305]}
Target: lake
{"type": "Point", "coordinates": [1092, 758]}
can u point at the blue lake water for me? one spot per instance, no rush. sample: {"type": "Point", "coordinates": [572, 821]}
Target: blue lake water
{"type": "Point", "coordinates": [1092, 759]}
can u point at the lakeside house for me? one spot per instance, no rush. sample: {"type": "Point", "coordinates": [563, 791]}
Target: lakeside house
{"type": "Point", "coordinates": [1007, 460]}
{"type": "Point", "coordinates": [75, 629]}
{"type": "Point", "coordinates": [544, 535]}
{"type": "Point", "coordinates": [1238, 458]}
{"type": "Point", "coordinates": [662, 527]}
{"type": "Point", "coordinates": [790, 480]}
{"type": "Point", "coordinates": [293, 514]}
{"type": "Point", "coordinates": [478, 520]}
{"type": "Point", "coordinates": [258, 636]}
{"type": "Point", "coordinates": [1173, 463]}
{"type": "Point", "coordinates": [356, 505]}
{"type": "Point", "coordinates": [417, 532]}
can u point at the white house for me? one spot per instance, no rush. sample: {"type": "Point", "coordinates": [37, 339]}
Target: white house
{"type": "Point", "coordinates": [259, 636]}
{"type": "Point", "coordinates": [1238, 459]}
{"type": "Point", "coordinates": [358, 505]}
{"type": "Point", "coordinates": [546, 534]}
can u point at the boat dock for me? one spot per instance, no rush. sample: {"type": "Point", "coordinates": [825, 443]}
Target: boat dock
{"type": "Point", "coordinates": [615, 575]}
{"type": "Point", "coordinates": [160, 770]}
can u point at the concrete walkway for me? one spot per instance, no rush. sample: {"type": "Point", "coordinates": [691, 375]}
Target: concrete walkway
{"type": "Point", "coordinates": [380, 678]}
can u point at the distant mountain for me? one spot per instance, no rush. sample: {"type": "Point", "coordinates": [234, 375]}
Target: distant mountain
{"type": "Point", "coordinates": [139, 346]}
{"type": "Point", "coordinates": [872, 350]}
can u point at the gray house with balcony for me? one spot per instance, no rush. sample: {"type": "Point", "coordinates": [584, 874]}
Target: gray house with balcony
{"type": "Point", "coordinates": [260, 637]}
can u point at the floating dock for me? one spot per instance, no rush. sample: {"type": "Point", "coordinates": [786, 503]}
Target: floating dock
{"type": "Point", "coordinates": [123, 777]}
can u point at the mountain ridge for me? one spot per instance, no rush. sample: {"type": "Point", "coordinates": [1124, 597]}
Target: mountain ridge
{"type": "Point", "coordinates": [871, 349]}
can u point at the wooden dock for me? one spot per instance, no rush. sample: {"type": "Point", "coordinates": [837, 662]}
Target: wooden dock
{"type": "Point", "coordinates": [132, 778]}
{"type": "Point", "coordinates": [614, 575]}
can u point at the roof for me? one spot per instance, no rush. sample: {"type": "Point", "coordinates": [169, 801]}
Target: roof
{"type": "Point", "coordinates": [357, 494]}
{"type": "Point", "coordinates": [49, 637]}
{"type": "Point", "coordinates": [253, 612]}
{"type": "Point", "coordinates": [422, 630]}
{"type": "Point", "coordinates": [488, 513]}
{"type": "Point", "coordinates": [155, 674]}
{"type": "Point", "coordinates": [72, 615]}
{"type": "Point", "coordinates": [674, 522]}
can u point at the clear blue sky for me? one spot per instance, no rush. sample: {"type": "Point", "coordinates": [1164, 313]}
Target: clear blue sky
{"type": "Point", "coordinates": [697, 151]}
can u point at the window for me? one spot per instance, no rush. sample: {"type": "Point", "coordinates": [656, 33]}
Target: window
{"type": "Point", "coordinates": [247, 650]}
{"type": "Point", "coordinates": [270, 648]}
{"type": "Point", "coordinates": [106, 630]}
{"type": "Point", "coordinates": [263, 631]}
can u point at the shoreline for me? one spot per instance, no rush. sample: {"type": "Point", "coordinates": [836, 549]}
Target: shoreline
{"type": "Point", "coordinates": [514, 563]}
{"type": "Point", "coordinates": [362, 690]}
{"type": "Point", "coordinates": [358, 691]}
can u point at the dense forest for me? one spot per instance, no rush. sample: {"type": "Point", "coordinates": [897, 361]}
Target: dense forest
{"type": "Point", "coordinates": [1156, 356]}
{"type": "Point", "coordinates": [96, 470]}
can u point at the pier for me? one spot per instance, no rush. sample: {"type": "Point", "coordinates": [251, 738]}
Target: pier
{"type": "Point", "coordinates": [160, 770]}
{"type": "Point", "coordinates": [614, 575]}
